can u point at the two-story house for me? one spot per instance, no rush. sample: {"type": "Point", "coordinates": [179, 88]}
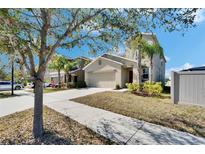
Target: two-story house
{"type": "Point", "coordinates": [110, 70]}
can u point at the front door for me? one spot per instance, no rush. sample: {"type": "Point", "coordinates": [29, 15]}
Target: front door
{"type": "Point", "coordinates": [75, 78]}
{"type": "Point", "coordinates": [130, 76]}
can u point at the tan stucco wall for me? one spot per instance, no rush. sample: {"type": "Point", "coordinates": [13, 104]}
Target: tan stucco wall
{"type": "Point", "coordinates": [126, 63]}
{"type": "Point", "coordinates": [105, 67]}
{"type": "Point", "coordinates": [158, 69]}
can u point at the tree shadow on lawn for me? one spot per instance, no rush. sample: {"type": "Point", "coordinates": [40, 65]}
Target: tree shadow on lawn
{"type": "Point", "coordinates": [51, 138]}
{"type": "Point", "coordinates": [148, 134]}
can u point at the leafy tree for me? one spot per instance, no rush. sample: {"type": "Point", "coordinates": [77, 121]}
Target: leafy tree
{"type": "Point", "coordinates": [40, 32]}
{"type": "Point", "coordinates": [3, 74]}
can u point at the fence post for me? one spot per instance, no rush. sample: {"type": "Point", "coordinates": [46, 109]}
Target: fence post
{"type": "Point", "coordinates": [174, 87]}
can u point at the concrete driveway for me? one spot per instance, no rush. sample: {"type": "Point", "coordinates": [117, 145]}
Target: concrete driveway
{"type": "Point", "coordinates": [25, 100]}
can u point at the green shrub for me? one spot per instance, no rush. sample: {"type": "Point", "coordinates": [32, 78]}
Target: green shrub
{"type": "Point", "coordinates": [149, 88]}
{"type": "Point", "coordinates": [152, 88]}
{"type": "Point", "coordinates": [133, 87]}
{"type": "Point", "coordinates": [80, 84]}
{"type": "Point", "coordinates": [117, 86]}
{"type": "Point", "coordinates": [25, 82]}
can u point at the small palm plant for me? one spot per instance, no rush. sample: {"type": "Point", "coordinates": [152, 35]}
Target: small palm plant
{"type": "Point", "coordinates": [144, 48]}
{"type": "Point", "coordinates": [57, 63]}
{"type": "Point", "coordinates": [68, 66]}
{"type": "Point", "coordinates": [150, 50]}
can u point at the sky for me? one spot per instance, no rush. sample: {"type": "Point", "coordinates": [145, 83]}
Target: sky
{"type": "Point", "coordinates": [186, 51]}
{"type": "Point", "coordinates": [181, 52]}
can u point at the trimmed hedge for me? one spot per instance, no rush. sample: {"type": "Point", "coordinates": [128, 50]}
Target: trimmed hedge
{"type": "Point", "coordinates": [147, 88]}
{"type": "Point", "coordinates": [79, 84]}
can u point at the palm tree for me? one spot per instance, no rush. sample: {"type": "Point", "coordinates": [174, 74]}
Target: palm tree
{"type": "Point", "coordinates": [57, 63]}
{"type": "Point", "coordinates": [150, 50]}
{"type": "Point", "coordinates": [68, 66]}
{"type": "Point", "coordinates": [136, 44]}
{"type": "Point", "coordinates": [142, 47]}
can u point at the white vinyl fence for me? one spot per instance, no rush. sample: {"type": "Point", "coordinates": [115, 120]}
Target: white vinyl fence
{"type": "Point", "coordinates": [188, 87]}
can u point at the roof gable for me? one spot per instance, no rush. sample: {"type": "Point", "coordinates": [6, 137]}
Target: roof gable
{"type": "Point", "coordinates": [118, 58]}
{"type": "Point", "coordinates": [103, 58]}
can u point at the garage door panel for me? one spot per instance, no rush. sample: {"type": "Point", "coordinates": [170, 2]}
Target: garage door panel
{"type": "Point", "coordinates": [102, 80]}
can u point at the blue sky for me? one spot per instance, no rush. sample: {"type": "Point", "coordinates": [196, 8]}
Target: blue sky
{"type": "Point", "coordinates": [180, 51]}
{"type": "Point", "coordinates": [184, 51]}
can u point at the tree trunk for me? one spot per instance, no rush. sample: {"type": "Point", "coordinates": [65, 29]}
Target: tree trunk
{"type": "Point", "coordinates": [67, 81]}
{"type": "Point", "coordinates": [12, 77]}
{"type": "Point", "coordinates": [150, 70]}
{"type": "Point", "coordinates": [139, 66]}
{"type": "Point", "coordinates": [38, 109]}
{"type": "Point", "coordinates": [59, 79]}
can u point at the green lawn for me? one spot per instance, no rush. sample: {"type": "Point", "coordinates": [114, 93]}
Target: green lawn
{"type": "Point", "coordinates": [59, 129]}
{"type": "Point", "coordinates": [155, 110]}
{"type": "Point", "coordinates": [6, 95]}
{"type": "Point", "coordinates": [50, 90]}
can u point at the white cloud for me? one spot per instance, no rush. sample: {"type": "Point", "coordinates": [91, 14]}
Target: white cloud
{"type": "Point", "coordinates": [167, 58]}
{"type": "Point", "coordinates": [182, 67]}
{"type": "Point", "coordinates": [200, 16]}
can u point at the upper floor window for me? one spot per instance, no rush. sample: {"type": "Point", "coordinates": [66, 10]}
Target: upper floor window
{"type": "Point", "coordinates": [145, 75]}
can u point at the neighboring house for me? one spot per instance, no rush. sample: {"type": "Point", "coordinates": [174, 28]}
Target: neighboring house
{"type": "Point", "coordinates": [78, 73]}
{"type": "Point", "coordinates": [188, 86]}
{"type": "Point", "coordinates": [75, 75]}
{"type": "Point", "coordinates": [110, 70]}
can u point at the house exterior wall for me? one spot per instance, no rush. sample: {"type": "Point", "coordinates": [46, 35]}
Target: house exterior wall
{"type": "Point", "coordinates": [158, 71]}
{"type": "Point", "coordinates": [54, 76]}
{"type": "Point", "coordinates": [105, 67]}
{"type": "Point", "coordinates": [188, 87]}
{"type": "Point", "coordinates": [128, 63]}
{"type": "Point", "coordinates": [80, 75]}
{"type": "Point", "coordinates": [124, 76]}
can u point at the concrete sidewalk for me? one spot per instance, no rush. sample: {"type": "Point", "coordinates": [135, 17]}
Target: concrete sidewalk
{"type": "Point", "coordinates": [122, 129]}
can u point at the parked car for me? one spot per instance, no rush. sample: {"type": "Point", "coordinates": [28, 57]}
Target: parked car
{"type": "Point", "coordinates": [47, 85]}
{"type": "Point", "coordinates": [32, 85]}
{"type": "Point", "coordinates": [6, 85]}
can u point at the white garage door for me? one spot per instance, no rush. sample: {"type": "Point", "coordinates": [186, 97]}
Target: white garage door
{"type": "Point", "coordinates": [102, 80]}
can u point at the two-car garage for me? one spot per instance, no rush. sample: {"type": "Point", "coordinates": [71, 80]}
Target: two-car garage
{"type": "Point", "coordinates": [102, 80]}
{"type": "Point", "coordinates": [103, 73]}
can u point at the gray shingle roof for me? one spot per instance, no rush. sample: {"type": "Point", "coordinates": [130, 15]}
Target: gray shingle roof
{"type": "Point", "coordinates": [201, 68]}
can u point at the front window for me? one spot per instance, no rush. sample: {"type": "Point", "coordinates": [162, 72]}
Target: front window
{"type": "Point", "coordinates": [145, 75]}
{"type": "Point", "coordinates": [75, 78]}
